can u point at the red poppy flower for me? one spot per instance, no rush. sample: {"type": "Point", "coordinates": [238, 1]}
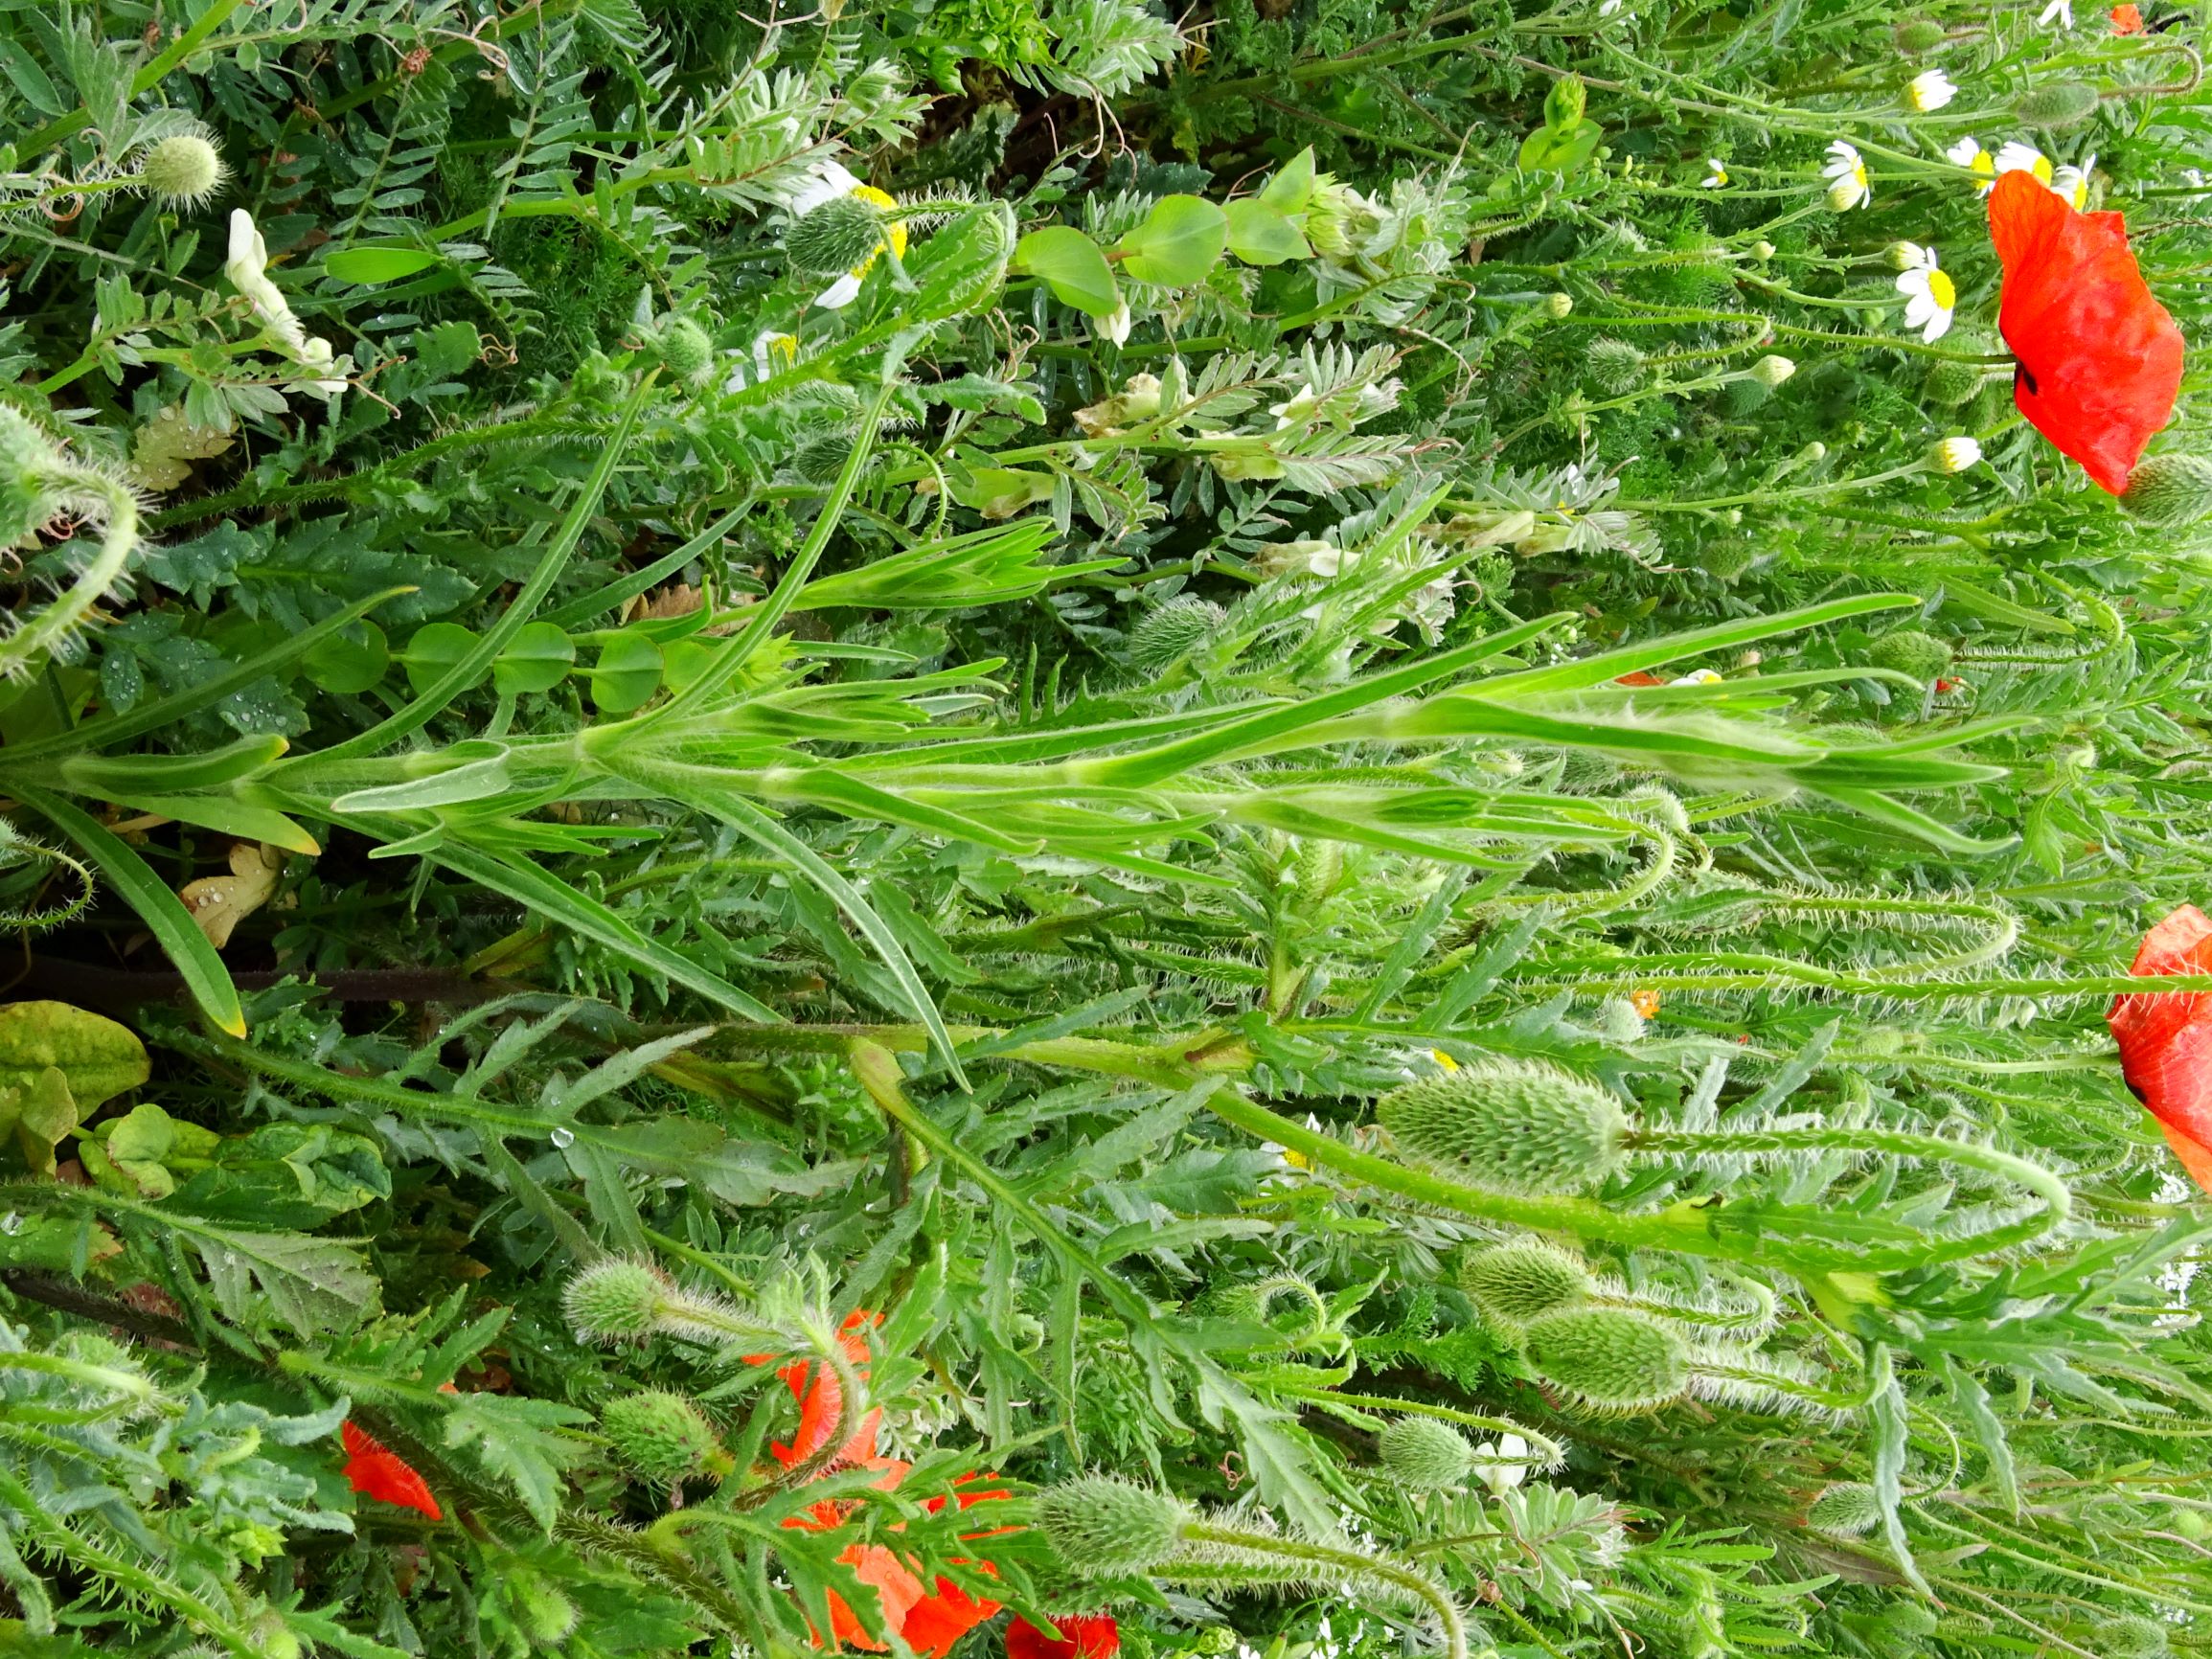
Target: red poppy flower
{"type": "Point", "coordinates": [384, 1475]}
{"type": "Point", "coordinates": [1639, 678]}
{"type": "Point", "coordinates": [2127, 20]}
{"type": "Point", "coordinates": [2165, 1039]}
{"type": "Point", "coordinates": [929, 1621]}
{"type": "Point", "coordinates": [2100, 360]}
{"type": "Point", "coordinates": [1083, 1636]}
{"type": "Point", "coordinates": [822, 1402]}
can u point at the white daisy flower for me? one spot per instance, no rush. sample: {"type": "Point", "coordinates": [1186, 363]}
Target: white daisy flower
{"type": "Point", "coordinates": [772, 353]}
{"type": "Point", "coordinates": [1716, 174]}
{"type": "Point", "coordinates": [1955, 454]}
{"type": "Point", "coordinates": [1697, 677]}
{"type": "Point", "coordinates": [2062, 10]}
{"type": "Point", "coordinates": [2073, 182]}
{"type": "Point", "coordinates": [1930, 90]}
{"type": "Point", "coordinates": [824, 182]}
{"type": "Point", "coordinates": [1969, 153]}
{"type": "Point", "coordinates": [2019, 157]}
{"type": "Point", "coordinates": [1846, 176]}
{"type": "Point", "coordinates": [1929, 298]}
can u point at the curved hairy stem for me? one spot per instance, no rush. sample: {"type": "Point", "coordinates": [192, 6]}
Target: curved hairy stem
{"type": "Point", "coordinates": [82, 487]}
{"type": "Point", "coordinates": [1349, 1564]}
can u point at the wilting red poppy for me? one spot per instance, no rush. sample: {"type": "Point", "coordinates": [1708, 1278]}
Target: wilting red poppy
{"type": "Point", "coordinates": [1083, 1636]}
{"type": "Point", "coordinates": [929, 1621]}
{"type": "Point", "coordinates": [2127, 20]}
{"type": "Point", "coordinates": [384, 1475]}
{"type": "Point", "coordinates": [2100, 360]}
{"type": "Point", "coordinates": [822, 1402]}
{"type": "Point", "coordinates": [2165, 1039]}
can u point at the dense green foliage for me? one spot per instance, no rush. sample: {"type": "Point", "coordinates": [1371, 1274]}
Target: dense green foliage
{"type": "Point", "coordinates": [1289, 768]}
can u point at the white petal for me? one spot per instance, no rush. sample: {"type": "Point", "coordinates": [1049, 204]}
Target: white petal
{"type": "Point", "coordinates": [839, 294]}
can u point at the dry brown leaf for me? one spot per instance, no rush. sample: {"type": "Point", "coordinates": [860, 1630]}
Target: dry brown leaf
{"type": "Point", "coordinates": [676, 601]}
{"type": "Point", "coordinates": [218, 903]}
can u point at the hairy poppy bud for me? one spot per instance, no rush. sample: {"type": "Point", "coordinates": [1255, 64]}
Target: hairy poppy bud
{"type": "Point", "coordinates": [1609, 1359]}
{"type": "Point", "coordinates": [1918, 35]}
{"type": "Point", "coordinates": [1847, 1508]}
{"type": "Point", "coordinates": [842, 234]}
{"type": "Point", "coordinates": [1167, 634]}
{"type": "Point", "coordinates": [540, 1606]}
{"type": "Point", "coordinates": [1907, 1622]}
{"type": "Point", "coordinates": [1423, 1455]}
{"type": "Point", "coordinates": [686, 349]}
{"type": "Point", "coordinates": [1952, 383]}
{"type": "Point", "coordinates": [1772, 371]}
{"type": "Point", "coordinates": [2055, 105]}
{"type": "Point", "coordinates": [1513, 1127]}
{"type": "Point", "coordinates": [614, 1298]}
{"type": "Point", "coordinates": [27, 464]}
{"type": "Point", "coordinates": [1910, 651]}
{"type": "Point", "coordinates": [183, 168]}
{"type": "Point", "coordinates": [1513, 1284]}
{"type": "Point", "coordinates": [2131, 1636]}
{"type": "Point", "coordinates": [1616, 366]}
{"type": "Point", "coordinates": [1747, 396]}
{"type": "Point", "coordinates": [1559, 305]}
{"type": "Point", "coordinates": [1104, 1528]}
{"type": "Point", "coordinates": [2170, 490]}
{"type": "Point", "coordinates": [664, 1437]}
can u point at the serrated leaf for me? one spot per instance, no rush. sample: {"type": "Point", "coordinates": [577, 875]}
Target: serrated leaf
{"type": "Point", "coordinates": [522, 1441]}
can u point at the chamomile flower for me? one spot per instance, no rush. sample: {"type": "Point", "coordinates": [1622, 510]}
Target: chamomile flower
{"type": "Point", "coordinates": [2061, 11]}
{"type": "Point", "coordinates": [1954, 455]}
{"type": "Point", "coordinates": [1930, 90]}
{"type": "Point", "coordinates": [2072, 183]}
{"type": "Point", "coordinates": [771, 354]}
{"type": "Point", "coordinates": [1969, 153]}
{"type": "Point", "coordinates": [1716, 174]}
{"type": "Point", "coordinates": [2019, 157]}
{"type": "Point", "coordinates": [1929, 298]}
{"type": "Point", "coordinates": [827, 182]}
{"type": "Point", "coordinates": [1846, 176]}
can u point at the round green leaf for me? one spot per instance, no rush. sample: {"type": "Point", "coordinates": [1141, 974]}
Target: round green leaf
{"type": "Point", "coordinates": [1260, 236]}
{"type": "Point", "coordinates": [538, 659]}
{"type": "Point", "coordinates": [627, 672]}
{"type": "Point", "coordinates": [1292, 185]}
{"type": "Point", "coordinates": [433, 651]}
{"type": "Point", "coordinates": [378, 265]}
{"type": "Point", "coordinates": [351, 660]}
{"type": "Point", "coordinates": [1072, 266]}
{"type": "Point", "coordinates": [1178, 244]}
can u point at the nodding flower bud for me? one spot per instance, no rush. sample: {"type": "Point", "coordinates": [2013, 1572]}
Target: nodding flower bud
{"type": "Point", "coordinates": [28, 465]}
{"type": "Point", "coordinates": [1910, 651]}
{"type": "Point", "coordinates": [1846, 1509]}
{"type": "Point", "coordinates": [1609, 1359]}
{"type": "Point", "coordinates": [1770, 370]}
{"type": "Point", "coordinates": [1812, 454]}
{"type": "Point", "coordinates": [1918, 35]}
{"type": "Point", "coordinates": [2132, 1636]}
{"type": "Point", "coordinates": [1513, 1284]}
{"type": "Point", "coordinates": [1103, 1528]}
{"type": "Point", "coordinates": [840, 234]}
{"type": "Point", "coordinates": [2057, 103]}
{"type": "Point", "coordinates": [1954, 455]}
{"type": "Point", "coordinates": [1616, 366]}
{"type": "Point", "coordinates": [2170, 490]}
{"type": "Point", "coordinates": [1423, 1455]}
{"type": "Point", "coordinates": [1167, 634]}
{"type": "Point", "coordinates": [183, 170]}
{"type": "Point", "coordinates": [665, 1437]}
{"type": "Point", "coordinates": [686, 349]}
{"type": "Point", "coordinates": [614, 1298]}
{"type": "Point", "coordinates": [1509, 1126]}
{"type": "Point", "coordinates": [1559, 305]}
{"type": "Point", "coordinates": [1952, 383]}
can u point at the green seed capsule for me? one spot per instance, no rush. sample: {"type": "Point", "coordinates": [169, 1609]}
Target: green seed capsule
{"type": "Point", "coordinates": [1423, 1455]}
{"type": "Point", "coordinates": [1910, 651]}
{"type": "Point", "coordinates": [2170, 490]}
{"type": "Point", "coordinates": [1847, 1510]}
{"type": "Point", "coordinates": [665, 1437]}
{"type": "Point", "coordinates": [838, 236]}
{"type": "Point", "coordinates": [2057, 104]}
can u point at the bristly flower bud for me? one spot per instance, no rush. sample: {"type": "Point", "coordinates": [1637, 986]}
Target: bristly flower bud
{"type": "Point", "coordinates": [665, 1437]}
{"type": "Point", "coordinates": [842, 234]}
{"type": "Point", "coordinates": [2057, 104]}
{"type": "Point", "coordinates": [1166, 635]}
{"type": "Point", "coordinates": [614, 1298]}
{"type": "Point", "coordinates": [1616, 367]}
{"type": "Point", "coordinates": [2132, 1636]}
{"type": "Point", "coordinates": [1103, 1528]}
{"type": "Point", "coordinates": [1846, 1509]}
{"type": "Point", "coordinates": [685, 347]}
{"type": "Point", "coordinates": [1952, 384]}
{"type": "Point", "coordinates": [1513, 1284]}
{"type": "Point", "coordinates": [1772, 371]}
{"type": "Point", "coordinates": [1510, 1125]}
{"type": "Point", "coordinates": [28, 466]}
{"type": "Point", "coordinates": [1910, 651]}
{"type": "Point", "coordinates": [2170, 490]}
{"type": "Point", "coordinates": [1423, 1455]}
{"type": "Point", "coordinates": [1609, 1359]}
{"type": "Point", "coordinates": [183, 170]}
{"type": "Point", "coordinates": [1918, 35]}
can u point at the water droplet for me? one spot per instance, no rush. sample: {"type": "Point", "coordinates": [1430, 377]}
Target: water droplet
{"type": "Point", "coordinates": [564, 1138]}
{"type": "Point", "coordinates": [10, 1223]}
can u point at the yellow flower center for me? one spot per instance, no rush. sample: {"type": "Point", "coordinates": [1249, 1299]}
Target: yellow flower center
{"type": "Point", "coordinates": [1942, 290]}
{"type": "Point", "coordinates": [2042, 169]}
{"type": "Point", "coordinates": [1983, 165]}
{"type": "Point", "coordinates": [1646, 1002]}
{"type": "Point", "coordinates": [894, 233]}
{"type": "Point", "coordinates": [1858, 174]}
{"type": "Point", "coordinates": [784, 349]}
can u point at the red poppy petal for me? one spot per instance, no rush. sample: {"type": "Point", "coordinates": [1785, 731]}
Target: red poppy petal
{"type": "Point", "coordinates": [1082, 1636]}
{"type": "Point", "coordinates": [2100, 360]}
{"type": "Point", "coordinates": [940, 1620]}
{"type": "Point", "coordinates": [389, 1479]}
{"type": "Point", "coordinates": [2165, 1038]}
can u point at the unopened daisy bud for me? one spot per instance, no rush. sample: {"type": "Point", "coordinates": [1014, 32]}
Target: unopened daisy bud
{"type": "Point", "coordinates": [1954, 455]}
{"type": "Point", "coordinates": [1103, 1528]}
{"type": "Point", "coordinates": [1910, 651]}
{"type": "Point", "coordinates": [1812, 454]}
{"type": "Point", "coordinates": [1615, 365]}
{"type": "Point", "coordinates": [1509, 1126]}
{"type": "Point", "coordinates": [1559, 305]}
{"type": "Point", "coordinates": [2057, 103]}
{"type": "Point", "coordinates": [1763, 251]}
{"type": "Point", "coordinates": [2170, 490]}
{"type": "Point", "coordinates": [1929, 91]}
{"type": "Point", "coordinates": [1846, 1509]}
{"type": "Point", "coordinates": [183, 170]}
{"type": "Point", "coordinates": [685, 347]}
{"type": "Point", "coordinates": [837, 236]}
{"type": "Point", "coordinates": [1770, 370]}
{"type": "Point", "coordinates": [1513, 1284]}
{"type": "Point", "coordinates": [1918, 35]}
{"type": "Point", "coordinates": [1423, 1455]}
{"type": "Point", "coordinates": [614, 1298]}
{"type": "Point", "coordinates": [1609, 1359]}
{"type": "Point", "coordinates": [1905, 256]}
{"type": "Point", "coordinates": [664, 1437]}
